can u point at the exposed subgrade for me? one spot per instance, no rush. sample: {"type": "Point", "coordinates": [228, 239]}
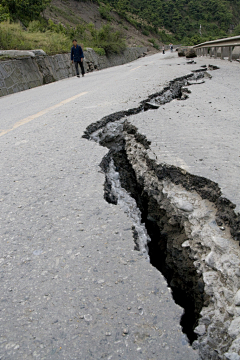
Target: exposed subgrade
{"type": "Point", "coordinates": [181, 224]}
{"type": "Point", "coordinates": [175, 90]}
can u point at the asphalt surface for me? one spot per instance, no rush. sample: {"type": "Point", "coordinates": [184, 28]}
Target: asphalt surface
{"type": "Point", "coordinates": [201, 134]}
{"type": "Point", "coordinates": [72, 287]}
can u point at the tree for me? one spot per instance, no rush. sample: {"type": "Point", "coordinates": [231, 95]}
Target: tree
{"type": "Point", "coordinates": [25, 10]}
{"type": "Point", "coordinates": [4, 13]}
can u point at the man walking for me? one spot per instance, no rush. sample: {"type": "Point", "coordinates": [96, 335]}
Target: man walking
{"type": "Point", "coordinates": [77, 57]}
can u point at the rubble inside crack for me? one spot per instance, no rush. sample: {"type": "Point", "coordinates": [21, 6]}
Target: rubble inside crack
{"type": "Point", "coordinates": [178, 223]}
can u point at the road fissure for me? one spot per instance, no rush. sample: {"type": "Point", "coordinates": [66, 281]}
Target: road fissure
{"type": "Point", "coordinates": [181, 223]}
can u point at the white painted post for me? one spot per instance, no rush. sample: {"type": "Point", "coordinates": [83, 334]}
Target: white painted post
{"type": "Point", "coordinates": [215, 52]}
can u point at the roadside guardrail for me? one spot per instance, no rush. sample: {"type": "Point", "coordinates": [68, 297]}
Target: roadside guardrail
{"type": "Point", "coordinates": [228, 47]}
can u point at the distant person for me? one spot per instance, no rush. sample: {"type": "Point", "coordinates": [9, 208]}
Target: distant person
{"type": "Point", "coordinates": [163, 49]}
{"type": "Point", "coordinates": [77, 57]}
{"type": "Point", "coordinates": [171, 47]}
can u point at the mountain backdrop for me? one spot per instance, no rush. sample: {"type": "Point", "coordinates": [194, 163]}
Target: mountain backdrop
{"type": "Point", "coordinates": [111, 25]}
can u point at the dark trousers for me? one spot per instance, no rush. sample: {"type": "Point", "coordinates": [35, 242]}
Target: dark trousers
{"type": "Point", "coordinates": [81, 66]}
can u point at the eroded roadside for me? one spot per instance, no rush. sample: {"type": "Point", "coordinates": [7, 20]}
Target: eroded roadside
{"type": "Point", "coordinates": [181, 223]}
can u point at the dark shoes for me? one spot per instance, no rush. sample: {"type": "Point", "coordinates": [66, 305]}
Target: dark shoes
{"type": "Point", "coordinates": [78, 75]}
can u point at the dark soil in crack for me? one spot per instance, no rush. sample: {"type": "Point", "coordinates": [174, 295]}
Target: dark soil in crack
{"type": "Point", "coordinates": [205, 187]}
{"type": "Point", "coordinates": [173, 91]}
{"type": "Point", "coordinates": [165, 251]}
{"type": "Point", "coordinates": [166, 232]}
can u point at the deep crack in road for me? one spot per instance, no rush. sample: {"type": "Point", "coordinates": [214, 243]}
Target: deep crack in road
{"type": "Point", "coordinates": [166, 206]}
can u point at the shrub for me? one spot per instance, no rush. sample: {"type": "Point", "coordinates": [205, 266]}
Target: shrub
{"type": "Point", "coordinates": [25, 10]}
{"type": "Point", "coordinates": [110, 41]}
{"type": "Point", "coordinates": [4, 13]}
{"type": "Point", "coordinates": [145, 32]}
{"type": "Point", "coordinates": [99, 51]}
{"type": "Point", "coordinates": [154, 44]}
{"type": "Point", "coordinates": [34, 26]}
{"type": "Point", "coordinates": [104, 11]}
{"type": "Point", "coordinates": [237, 30]}
{"type": "Point", "coordinates": [166, 38]}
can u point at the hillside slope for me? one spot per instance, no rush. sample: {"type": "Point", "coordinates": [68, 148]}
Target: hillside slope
{"type": "Point", "coordinates": [109, 26]}
{"type": "Point", "coordinates": [153, 22]}
{"type": "Point", "coordinates": [184, 17]}
{"type": "Point", "coordinates": [76, 13]}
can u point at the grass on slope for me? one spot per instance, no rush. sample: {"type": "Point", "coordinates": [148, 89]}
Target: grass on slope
{"type": "Point", "coordinates": [74, 14]}
{"type": "Point", "coordinates": [13, 36]}
{"type": "Point", "coordinates": [56, 39]}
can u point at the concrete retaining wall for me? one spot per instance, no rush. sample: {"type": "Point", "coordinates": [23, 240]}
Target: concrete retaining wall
{"type": "Point", "coordinates": [28, 71]}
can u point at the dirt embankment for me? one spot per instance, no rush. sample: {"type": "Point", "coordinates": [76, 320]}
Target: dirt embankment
{"type": "Point", "coordinates": [71, 12]}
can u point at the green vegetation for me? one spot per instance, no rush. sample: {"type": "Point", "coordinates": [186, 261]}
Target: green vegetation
{"type": "Point", "coordinates": [13, 36]}
{"type": "Point", "coordinates": [237, 30]}
{"type": "Point", "coordinates": [22, 10]}
{"type": "Point", "coordinates": [181, 17]}
{"type": "Point", "coordinates": [99, 51]}
{"type": "Point", "coordinates": [55, 38]}
{"type": "Point", "coordinates": [105, 38]}
{"type": "Point", "coordinates": [154, 44]}
{"type": "Point", "coordinates": [176, 21]}
{"type": "Point", "coordinates": [36, 32]}
{"type": "Point", "coordinates": [105, 12]}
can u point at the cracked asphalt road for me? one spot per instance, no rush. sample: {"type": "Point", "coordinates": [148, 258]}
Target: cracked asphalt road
{"type": "Point", "coordinates": [72, 287]}
{"type": "Point", "coordinates": [201, 134]}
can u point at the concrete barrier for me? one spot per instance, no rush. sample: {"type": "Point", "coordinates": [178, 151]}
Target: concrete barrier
{"type": "Point", "coordinates": [236, 53]}
{"type": "Point", "coordinates": [230, 45]}
{"type": "Point", "coordinates": [221, 52]}
{"type": "Point", "coordinates": [24, 70]}
{"type": "Point", "coordinates": [225, 52]}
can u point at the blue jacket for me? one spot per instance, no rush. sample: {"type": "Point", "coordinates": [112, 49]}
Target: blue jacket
{"type": "Point", "coordinates": [76, 53]}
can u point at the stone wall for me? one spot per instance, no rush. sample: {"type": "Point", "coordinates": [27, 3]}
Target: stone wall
{"type": "Point", "coordinates": [94, 61]}
{"type": "Point", "coordinates": [25, 70]}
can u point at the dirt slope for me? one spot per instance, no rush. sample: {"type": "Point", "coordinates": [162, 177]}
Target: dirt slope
{"type": "Point", "coordinates": [70, 12]}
